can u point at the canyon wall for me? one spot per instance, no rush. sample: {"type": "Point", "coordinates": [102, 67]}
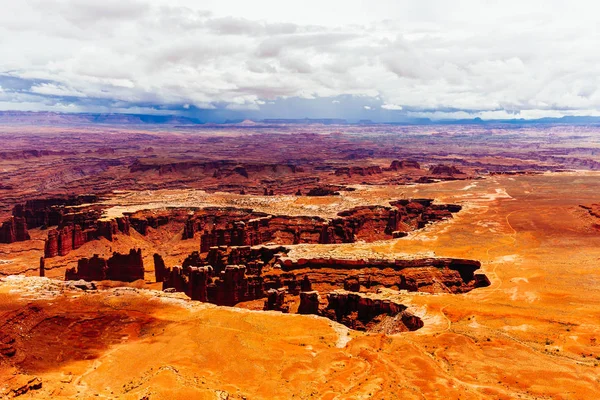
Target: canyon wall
{"type": "Point", "coordinates": [433, 275]}
{"type": "Point", "coordinates": [63, 239]}
{"type": "Point", "coordinates": [14, 230]}
{"type": "Point", "coordinates": [226, 227]}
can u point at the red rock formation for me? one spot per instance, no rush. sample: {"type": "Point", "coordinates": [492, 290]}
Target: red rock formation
{"type": "Point", "coordinates": [198, 278]}
{"type": "Point", "coordinates": [119, 267]}
{"type": "Point", "coordinates": [220, 169]}
{"type": "Point", "coordinates": [404, 164]}
{"type": "Point", "coordinates": [62, 240]}
{"type": "Point", "coordinates": [305, 285]}
{"type": "Point", "coordinates": [309, 303]}
{"type": "Point", "coordinates": [65, 240]}
{"type": "Point", "coordinates": [175, 279]}
{"type": "Point", "coordinates": [51, 244]}
{"type": "Point", "coordinates": [88, 269]}
{"type": "Point", "coordinates": [433, 275]}
{"type": "Point", "coordinates": [126, 267]}
{"type": "Point", "coordinates": [52, 211]}
{"type": "Point", "coordinates": [160, 270]}
{"type": "Point", "coordinates": [142, 222]}
{"type": "Point", "coordinates": [79, 237]}
{"type": "Point", "coordinates": [254, 258]}
{"type": "Point", "coordinates": [14, 230]}
{"type": "Point", "coordinates": [226, 227]}
{"type": "Point", "coordinates": [227, 287]}
{"type": "Point", "coordinates": [362, 171]}
{"type": "Point", "coordinates": [231, 287]}
{"type": "Point", "coordinates": [42, 267]}
{"type": "Point", "coordinates": [357, 311]}
{"type": "Point", "coordinates": [276, 300]}
{"type": "Point", "coordinates": [189, 229]}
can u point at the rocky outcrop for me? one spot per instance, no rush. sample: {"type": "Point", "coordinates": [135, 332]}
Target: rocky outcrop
{"type": "Point", "coordinates": [305, 284]}
{"type": "Point", "coordinates": [254, 258]}
{"type": "Point", "coordinates": [189, 229]}
{"type": "Point", "coordinates": [142, 223]}
{"type": "Point", "coordinates": [51, 244]}
{"type": "Point", "coordinates": [276, 301]}
{"type": "Point", "coordinates": [160, 270]}
{"type": "Point", "coordinates": [397, 165]}
{"type": "Point", "coordinates": [109, 228]}
{"type": "Point", "coordinates": [14, 230]}
{"type": "Point", "coordinates": [56, 211]}
{"type": "Point", "coordinates": [243, 227]}
{"type": "Point", "coordinates": [198, 278]}
{"type": "Point", "coordinates": [119, 267]}
{"type": "Point", "coordinates": [42, 267]}
{"type": "Point", "coordinates": [89, 269]}
{"type": "Point", "coordinates": [361, 312]}
{"type": "Point", "coordinates": [433, 275]}
{"type": "Point", "coordinates": [309, 303]}
{"type": "Point", "coordinates": [126, 267]}
{"type": "Point", "coordinates": [441, 169]}
{"type": "Point", "coordinates": [228, 287]}
{"type": "Point", "coordinates": [227, 227]}
{"type": "Point", "coordinates": [436, 280]}
{"type": "Point", "coordinates": [362, 171]}
{"type": "Point", "coordinates": [62, 240]}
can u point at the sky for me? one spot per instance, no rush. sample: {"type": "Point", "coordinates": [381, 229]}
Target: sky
{"type": "Point", "coordinates": [384, 60]}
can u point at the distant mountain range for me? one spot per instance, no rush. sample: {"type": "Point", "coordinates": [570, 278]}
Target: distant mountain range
{"type": "Point", "coordinates": [55, 118]}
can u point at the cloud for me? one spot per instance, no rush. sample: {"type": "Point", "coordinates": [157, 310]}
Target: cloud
{"type": "Point", "coordinates": [429, 58]}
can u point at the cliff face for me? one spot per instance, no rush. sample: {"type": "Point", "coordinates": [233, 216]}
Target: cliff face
{"type": "Point", "coordinates": [62, 240]}
{"type": "Point", "coordinates": [227, 227]}
{"type": "Point", "coordinates": [360, 311]}
{"type": "Point", "coordinates": [76, 218]}
{"type": "Point", "coordinates": [228, 287]}
{"type": "Point", "coordinates": [55, 211]}
{"type": "Point", "coordinates": [119, 267]}
{"type": "Point", "coordinates": [362, 171]}
{"type": "Point", "coordinates": [14, 230]}
{"type": "Point", "coordinates": [397, 165]}
{"type": "Point", "coordinates": [433, 275]}
{"type": "Point", "coordinates": [441, 169]}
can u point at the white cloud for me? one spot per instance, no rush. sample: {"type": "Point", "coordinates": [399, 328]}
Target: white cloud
{"type": "Point", "coordinates": [391, 107]}
{"type": "Point", "coordinates": [538, 57]}
{"type": "Point", "coordinates": [367, 107]}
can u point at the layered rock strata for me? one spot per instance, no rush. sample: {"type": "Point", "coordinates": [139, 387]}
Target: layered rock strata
{"type": "Point", "coordinates": [433, 275]}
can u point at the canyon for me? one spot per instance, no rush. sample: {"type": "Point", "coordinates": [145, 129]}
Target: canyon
{"type": "Point", "coordinates": [294, 261]}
